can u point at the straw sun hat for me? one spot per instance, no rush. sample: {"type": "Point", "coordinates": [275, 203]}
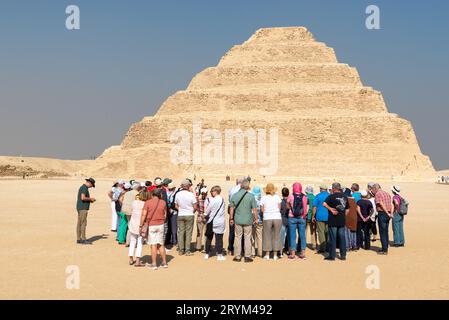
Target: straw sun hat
{"type": "Point", "coordinates": [270, 189]}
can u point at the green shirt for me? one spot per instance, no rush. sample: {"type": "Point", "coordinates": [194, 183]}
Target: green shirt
{"type": "Point", "coordinates": [310, 198]}
{"type": "Point", "coordinates": [83, 205]}
{"type": "Point", "coordinates": [244, 213]}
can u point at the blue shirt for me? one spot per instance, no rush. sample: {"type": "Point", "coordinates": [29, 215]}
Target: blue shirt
{"type": "Point", "coordinates": [357, 196]}
{"type": "Point", "coordinates": [322, 213]}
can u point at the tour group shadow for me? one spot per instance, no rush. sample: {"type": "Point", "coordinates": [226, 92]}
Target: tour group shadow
{"type": "Point", "coordinates": [98, 237]}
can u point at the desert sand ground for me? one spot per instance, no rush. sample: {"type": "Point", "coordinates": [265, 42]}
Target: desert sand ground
{"type": "Point", "coordinates": [38, 243]}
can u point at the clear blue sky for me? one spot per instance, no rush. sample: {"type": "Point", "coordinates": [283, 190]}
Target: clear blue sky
{"type": "Point", "coordinates": [129, 56]}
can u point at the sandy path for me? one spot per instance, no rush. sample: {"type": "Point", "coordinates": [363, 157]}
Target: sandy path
{"type": "Point", "coordinates": [38, 243]}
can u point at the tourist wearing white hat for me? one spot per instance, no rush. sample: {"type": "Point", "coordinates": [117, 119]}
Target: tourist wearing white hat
{"type": "Point", "coordinates": [398, 218]}
{"type": "Point", "coordinates": [132, 190]}
{"type": "Point", "coordinates": [186, 205]}
{"type": "Point", "coordinates": [114, 195]}
{"type": "Point", "coordinates": [202, 201]}
{"type": "Point", "coordinates": [123, 220]}
{"type": "Point", "coordinates": [365, 209]}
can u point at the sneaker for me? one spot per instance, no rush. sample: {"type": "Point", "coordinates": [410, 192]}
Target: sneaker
{"type": "Point", "coordinates": [206, 257]}
{"type": "Point", "coordinates": [189, 253]}
{"type": "Point", "coordinates": [329, 259]}
{"type": "Point", "coordinates": [221, 258]}
{"type": "Point", "coordinates": [275, 257]}
{"type": "Point", "coordinates": [79, 241]}
{"type": "Point", "coordinates": [164, 265]}
{"type": "Point", "coordinates": [247, 260]}
{"type": "Point", "coordinates": [343, 258]}
{"type": "Point", "coordinates": [267, 257]}
{"type": "Point", "coordinates": [181, 252]}
{"type": "Point", "coordinates": [237, 259]}
{"type": "Point", "coordinates": [154, 267]}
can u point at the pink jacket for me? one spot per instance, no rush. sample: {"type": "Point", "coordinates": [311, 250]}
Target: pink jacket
{"type": "Point", "coordinates": [297, 189]}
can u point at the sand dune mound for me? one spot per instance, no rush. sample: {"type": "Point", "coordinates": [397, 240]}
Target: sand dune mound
{"type": "Point", "coordinates": [42, 167]}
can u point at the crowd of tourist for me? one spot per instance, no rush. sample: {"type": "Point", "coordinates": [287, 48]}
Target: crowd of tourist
{"type": "Point", "coordinates": [262, 222]}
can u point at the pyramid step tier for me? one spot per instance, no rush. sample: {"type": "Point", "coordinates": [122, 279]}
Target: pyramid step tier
{"type": "Point", "coordinates": [298, 130]}
{"type": "Point", "coordinates": [304, 101]}
{"type": "Point", "coordinates": [259, 54]}
{"type": "Point", "coordinates": [319, 74]}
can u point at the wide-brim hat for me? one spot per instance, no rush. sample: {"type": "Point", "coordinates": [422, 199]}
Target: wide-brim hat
{"type": "Point", "coordinates": [396, 189]}
{"type": "Point", "coordinates": [270, 189]}
{"type": "Point", "coordinates": [91, 180]}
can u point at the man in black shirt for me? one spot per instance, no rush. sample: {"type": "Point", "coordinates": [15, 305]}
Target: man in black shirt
{"type": "Point", "coordinates": [338, 205]}
{"type": "Point", "coordinates": [364, 212]}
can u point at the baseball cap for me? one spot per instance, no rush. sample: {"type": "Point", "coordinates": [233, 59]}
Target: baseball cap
{"type": "Point", "coordinates": [167, 181]}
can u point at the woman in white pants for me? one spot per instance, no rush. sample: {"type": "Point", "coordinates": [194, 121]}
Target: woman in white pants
{"type": "Point", "coordinates": [114, 195]}
{"type": "Point", "coordinates": [136, 241]}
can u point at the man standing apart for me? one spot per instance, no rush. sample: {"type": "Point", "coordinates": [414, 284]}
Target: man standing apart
{"type": "Point", "coordinates": [385, 213]}
{"type": "Point", "coordinates": [243, 214]}
{"type": "Point", "coordinates": [82, 206]}
{"type": "Point", "coordinates": [338, 205]}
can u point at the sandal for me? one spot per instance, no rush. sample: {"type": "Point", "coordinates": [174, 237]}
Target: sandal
{"type": "Point", "coordinates": [139, 265]}
{"type": "Point", "coordinates": [132, 262]}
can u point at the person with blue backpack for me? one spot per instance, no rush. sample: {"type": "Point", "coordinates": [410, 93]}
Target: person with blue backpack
{"type": "Point", "coordinates": [297, 220]}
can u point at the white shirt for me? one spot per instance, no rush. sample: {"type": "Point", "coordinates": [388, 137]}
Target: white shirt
{"type": "Point", "coordinates": [233, 191]}
{"type": "Point", "coordinates": [271, 207]}
{"type": "Point", "coordinates": [185, 201]}
{"type": "Point", "coordinates": [136, 214]}
{"type": "Point", "coordinates": [212, 211]}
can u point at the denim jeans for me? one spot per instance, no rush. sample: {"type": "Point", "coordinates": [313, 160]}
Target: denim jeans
{"type": "Point", "coordinates": [284, 236]}
{"type": "Point", "coordinates": [174, 229]}
{"type": "Point", "coordinates": [384, 222]}
{"type": "Point", "coordinates": [297, 224]}
{"type": "Point", "coordinates": [333, 234]}
{"type": "Point", "coordinates": [398, 229]}
{"type": "Point", "coordinates": [351, 239]}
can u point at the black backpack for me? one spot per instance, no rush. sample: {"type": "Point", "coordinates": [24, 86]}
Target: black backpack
{"type": "Point", "coordinates": [298, 207]}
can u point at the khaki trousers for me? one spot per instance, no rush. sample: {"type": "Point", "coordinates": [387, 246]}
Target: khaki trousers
{"type": "Point", "coordinates": [272, 235]}
{"type": "Point", "coordinates": [185, 230]}
{"type": "Point", "coordinates": [322, 231]}
{"type": "Point", "coordinates": [244, 231]}
{"type": "Point", "coordinates": [81, 225]}
{"type": "Point", "coordinates": [256, 240]}
{"type": "Point", "coordinates": [200, 225]}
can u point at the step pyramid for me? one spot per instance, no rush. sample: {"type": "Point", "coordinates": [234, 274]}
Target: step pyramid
{"type": "Point", "coordinates": [328, 123]}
